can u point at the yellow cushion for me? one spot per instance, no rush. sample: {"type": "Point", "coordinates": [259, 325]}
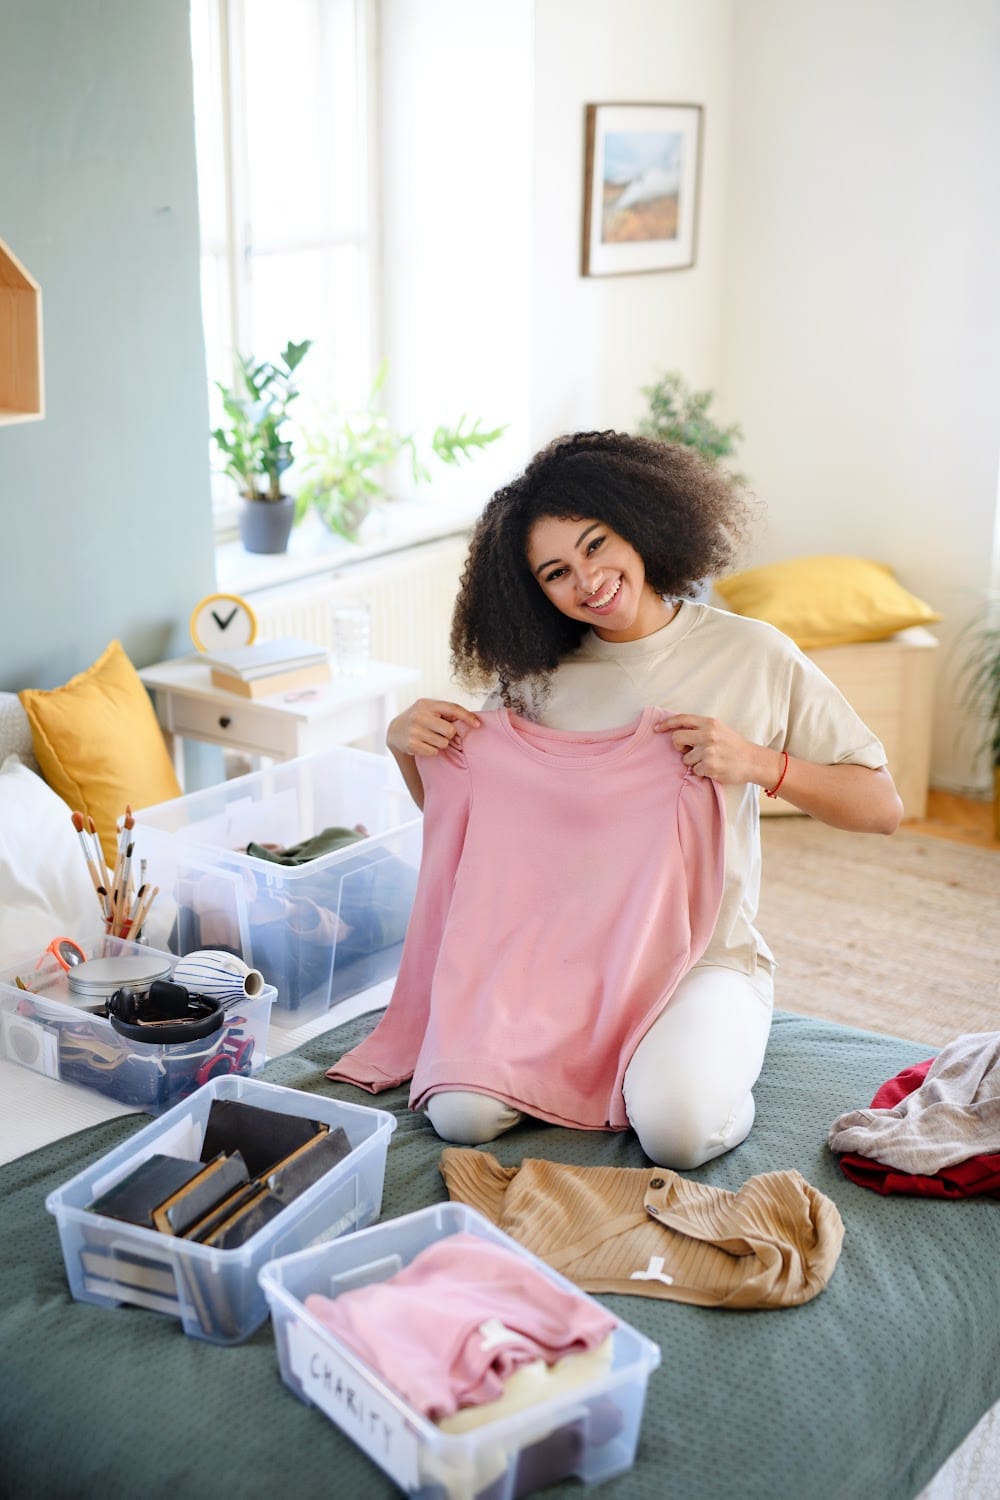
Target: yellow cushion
{"type": "Point", "coordinates": [99, 743]}
{"type": "Point", "coordinates": [826, 601]}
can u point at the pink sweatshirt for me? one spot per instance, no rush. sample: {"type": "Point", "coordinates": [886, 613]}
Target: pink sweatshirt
{"type": "Point", "coordinates": [568, 881]}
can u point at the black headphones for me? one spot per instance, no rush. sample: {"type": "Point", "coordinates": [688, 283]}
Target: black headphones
{"type": "Point", "coordinates": [165, 1012]}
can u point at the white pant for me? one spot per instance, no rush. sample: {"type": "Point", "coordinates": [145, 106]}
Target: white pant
{"type": "Point", "coordinates": [688, 1087]}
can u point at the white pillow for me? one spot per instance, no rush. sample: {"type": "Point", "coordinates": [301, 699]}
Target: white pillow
{"type": "Point", "coordinates": [45, 891]}
{"type": "Point", "coordinates": [15, 731]}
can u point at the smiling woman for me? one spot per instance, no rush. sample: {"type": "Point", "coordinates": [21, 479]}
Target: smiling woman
{"type": "Point", "coordinates": [578, 609]}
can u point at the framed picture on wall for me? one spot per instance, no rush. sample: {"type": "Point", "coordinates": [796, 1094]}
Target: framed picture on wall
{"type": "Point", "coordinates": [640, 192]}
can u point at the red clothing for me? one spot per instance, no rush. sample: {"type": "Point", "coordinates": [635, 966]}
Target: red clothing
{"type": "Point", "coordinates": [568, 882]}
{"type": "Point", "coordinates": [977, 1177]}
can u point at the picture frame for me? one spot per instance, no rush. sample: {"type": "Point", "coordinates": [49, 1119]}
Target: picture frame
{"type": "Point", "coordinates": [641, 186]}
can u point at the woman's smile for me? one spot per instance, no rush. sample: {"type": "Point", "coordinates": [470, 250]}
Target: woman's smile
{"type": "Point", "coordinates": [607, 600]}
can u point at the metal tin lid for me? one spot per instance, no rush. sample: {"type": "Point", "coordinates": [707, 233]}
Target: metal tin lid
{"type": "Point", "coordinates": [102, 976]}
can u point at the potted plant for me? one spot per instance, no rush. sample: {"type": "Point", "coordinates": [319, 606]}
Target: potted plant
{"type": "Point", "coordinates": [348, 454]}
{"type": "Point", "coordinates": [255, 449]}
{"type": "Point", "coordinates": [980, 681]}
{"type": "Point", "coordinates": [678, 414]}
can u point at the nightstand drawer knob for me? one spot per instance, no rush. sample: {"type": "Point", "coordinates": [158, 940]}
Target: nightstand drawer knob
{"type": "Point", "coordinates": [225, 721]}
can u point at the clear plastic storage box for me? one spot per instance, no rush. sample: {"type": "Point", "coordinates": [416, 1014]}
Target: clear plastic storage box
{"type": "Point", "coordinates": [214, 1292]}
{"type": "Point", "coordinates": [63, 1035]}
{"type": "Point", "coordinates": [318, 931]}
{"type": "Point", "coordinates": [590, 1431]}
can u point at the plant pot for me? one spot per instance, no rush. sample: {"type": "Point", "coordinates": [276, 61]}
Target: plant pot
{"type": "Point", "coordinates": [344, 517]}
{"type": "Point", "coordinates": [996, 803]}
{"type": "Point", "coordinates": [266, 525]}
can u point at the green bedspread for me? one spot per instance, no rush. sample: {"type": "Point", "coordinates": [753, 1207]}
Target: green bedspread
{"type": "Point", "coordinates": [862, 1392]}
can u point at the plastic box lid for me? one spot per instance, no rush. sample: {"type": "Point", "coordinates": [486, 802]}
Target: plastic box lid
{"type": "Point", "coordinates": [319, 931]}
{"type": "Point", "coordinates": [342, 786]}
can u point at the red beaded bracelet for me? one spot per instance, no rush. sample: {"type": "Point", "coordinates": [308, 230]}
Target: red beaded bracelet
{"type": "Point", "coordinates": [784, 767]}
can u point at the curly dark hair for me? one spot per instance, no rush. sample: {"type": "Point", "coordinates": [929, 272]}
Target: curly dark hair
{"type": "Point", "coordinates": [685, 517]}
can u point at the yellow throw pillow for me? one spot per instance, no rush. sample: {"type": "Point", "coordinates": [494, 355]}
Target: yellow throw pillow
{"type": "Point", "coordinates": [826, 601]}
{"type": "Point", "coordinates": [99, 743]}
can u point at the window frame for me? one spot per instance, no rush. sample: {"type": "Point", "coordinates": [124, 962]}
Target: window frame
{"type": "Point", "coordinates": [235, 254]}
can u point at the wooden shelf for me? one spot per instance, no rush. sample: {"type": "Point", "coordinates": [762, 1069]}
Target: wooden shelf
{"type": "Point", "coordinates": [21, 390]}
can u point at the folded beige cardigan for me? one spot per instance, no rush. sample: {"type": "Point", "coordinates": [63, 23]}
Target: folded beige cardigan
{"type": "Point", "coordinates": [649, 1232]}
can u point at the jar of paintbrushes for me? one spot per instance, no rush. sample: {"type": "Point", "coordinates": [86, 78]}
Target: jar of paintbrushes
{"type": "Point", "coordinates": [123, 894]}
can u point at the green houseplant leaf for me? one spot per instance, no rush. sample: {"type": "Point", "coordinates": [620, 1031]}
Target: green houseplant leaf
{"type": "Point", "coordinates": [678, 414]}
{"type": "Point", "coordinates": [452, 444]}
{"type": "Point", "coordinates": [252, 443]}
{"type": "Point", "coordinates": [347, 456]}
{"type": "Point", "coordinates": [979, 675]}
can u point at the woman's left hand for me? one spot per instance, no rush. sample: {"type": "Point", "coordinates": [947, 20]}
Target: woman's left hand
{"type": "Point", "coordinates": [843, 795]}
{"type": "Point", "coordinates": [712, 748]}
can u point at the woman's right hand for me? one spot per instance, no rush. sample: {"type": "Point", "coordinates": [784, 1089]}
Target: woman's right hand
{"type": "Point", "coordinates": [427, 726]}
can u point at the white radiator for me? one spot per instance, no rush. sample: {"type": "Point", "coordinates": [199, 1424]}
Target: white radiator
{"type": "Point", "coordinates": [409, 594]}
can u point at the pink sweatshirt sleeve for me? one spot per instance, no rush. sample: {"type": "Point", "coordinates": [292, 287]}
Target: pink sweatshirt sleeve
{"type": "Point", "coordinates": [388, 1056]}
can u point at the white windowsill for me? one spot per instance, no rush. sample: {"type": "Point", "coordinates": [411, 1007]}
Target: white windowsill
{"type": "Point", "coordinates": [313, 549]}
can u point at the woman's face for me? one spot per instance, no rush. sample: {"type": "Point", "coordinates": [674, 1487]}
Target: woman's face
{"type": "Point", "coordinates": [591, 573]}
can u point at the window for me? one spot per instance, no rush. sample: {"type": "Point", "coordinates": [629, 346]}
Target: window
{"type": "Point", "coordinates": [284, 114]}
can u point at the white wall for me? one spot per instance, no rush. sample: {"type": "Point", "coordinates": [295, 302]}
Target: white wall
{"type": "Point", "coordinates": [862, 301]}
{"type": "Point", "coordinates": [598, 340]}
{"type": "Point", "coordinates": [482, 157]}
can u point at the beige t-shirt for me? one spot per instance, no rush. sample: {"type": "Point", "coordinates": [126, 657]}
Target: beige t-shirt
{"type": "Point", "coordinates": [728, 667]}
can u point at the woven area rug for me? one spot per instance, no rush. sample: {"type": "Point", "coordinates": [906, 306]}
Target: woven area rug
{"type": "Point", "coordinates": [899, 935]}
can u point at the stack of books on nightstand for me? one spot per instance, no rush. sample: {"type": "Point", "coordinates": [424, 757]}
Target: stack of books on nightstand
{"type": "Point", "coordinates": [268, 667]}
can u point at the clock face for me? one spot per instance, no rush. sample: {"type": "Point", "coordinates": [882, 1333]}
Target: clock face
{"type": "Point", "coordinates": [222, 620]}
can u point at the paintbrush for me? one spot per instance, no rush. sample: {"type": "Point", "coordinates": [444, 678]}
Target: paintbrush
{"type": "Point", "coordinates": [92, 869]}
{"type": "Point", "coordinates": [79, 825]}
{"type": "Point", "coordinates": [118, 894]}
{"type": "Point", "coordinates": [127, 873]}
{"type": "Point", "coordinates": [120, 902]}
{"type": "Point", "coordinates": [142, 912]}
{"type": "Point", "coordinates": [135, 907]}
{"type": "Point", "coordinates": [99, 854]}
{"type": "Point", "coordinates": [122, 832]}
{"type": "Point", "coordinates": [125, 828]}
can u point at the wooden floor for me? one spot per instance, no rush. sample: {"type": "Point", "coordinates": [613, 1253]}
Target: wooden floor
{"type": "Point", "coordinates": [962, 819]}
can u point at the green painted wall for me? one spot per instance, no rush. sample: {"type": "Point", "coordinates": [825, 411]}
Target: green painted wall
{"type": "Point", "coordinates": [105, 512]}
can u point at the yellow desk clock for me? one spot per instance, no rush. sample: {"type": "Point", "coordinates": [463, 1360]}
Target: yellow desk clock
{"type": "Point", "coordinates": [221, 620]}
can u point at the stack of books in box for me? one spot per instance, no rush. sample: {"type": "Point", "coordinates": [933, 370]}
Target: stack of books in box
{"type": "Point", "coordinates": [267, 667]}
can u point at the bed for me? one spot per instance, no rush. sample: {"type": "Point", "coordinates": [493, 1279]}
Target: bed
{"type": "Point", "coordinates": [864, 1391]}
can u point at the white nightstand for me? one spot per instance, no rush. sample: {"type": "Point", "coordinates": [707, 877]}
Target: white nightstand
{"type": "Point", "coordinates": [281, 727]}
